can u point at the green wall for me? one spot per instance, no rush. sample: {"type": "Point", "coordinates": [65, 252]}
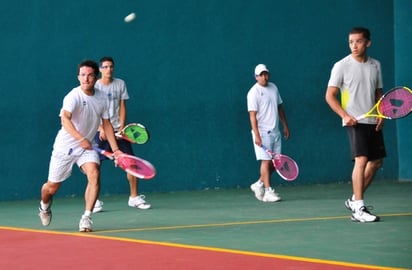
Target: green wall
{"type": "Point", "coordinates": [188, 66]}
{"type": "Point", "coordinates": [403, 56]}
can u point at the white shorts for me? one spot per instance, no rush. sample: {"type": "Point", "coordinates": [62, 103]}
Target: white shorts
{"type": "Point", "coordinates": [61, 164]}
{"type": "Point", "coordinates": [272, 140]}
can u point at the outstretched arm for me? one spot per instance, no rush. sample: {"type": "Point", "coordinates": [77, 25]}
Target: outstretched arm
{"type": "Point", "coordinates": [108, 130]}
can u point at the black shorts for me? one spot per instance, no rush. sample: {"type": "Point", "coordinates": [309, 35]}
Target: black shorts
{"type": "Point", "coordinates": [364, 140]}
{"type": "Point", "coordinates": [124, 146]}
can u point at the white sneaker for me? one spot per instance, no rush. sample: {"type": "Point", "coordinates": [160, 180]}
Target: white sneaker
{"type": "Point", "coordinates": [271, 196]}
{"type": "Point", "coordinates": [45, 215]}
{"type": "Point", "coordinates": [139, 202]}
{"type": "Point", "coordinates": [258, 189]}
{"type": "Point", "coordinates": [349, 205]}
{"type": "Point", "coordinates": [85, 224]}
{"type": "Point", "coordinates": [98, 206]}
{"type": "Point", "coordinates": [363, 215]}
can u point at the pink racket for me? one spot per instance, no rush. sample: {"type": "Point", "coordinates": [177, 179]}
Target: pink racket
{"type": "Point", "coordinates": [138, 167]}
{"type": "Point", "coordinates": [394, 104]}
{"type": "Point", "coordinates": [284, 165]}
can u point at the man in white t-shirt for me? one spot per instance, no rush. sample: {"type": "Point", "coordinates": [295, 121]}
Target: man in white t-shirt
{"type": "Point", "coordinates": [358, 79]}
{"type": "Point", "coordinates": [265, 109]}
{"type": "Point", "coordinates": [116, 95]}
{"type": "Point", "coordinates": [84, 108]}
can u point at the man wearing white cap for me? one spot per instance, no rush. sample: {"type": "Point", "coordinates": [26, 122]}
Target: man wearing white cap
{"type": "Point", "coordinates": [265, 110]}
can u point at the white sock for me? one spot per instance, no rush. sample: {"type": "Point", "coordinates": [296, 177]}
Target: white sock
{"type": "Point", "coordinates": [259, 182]}
{"type": "Point", "coordinates": [357, 204]}
{"type": "Point", "coordinates": [88, 213]}
{"type": "Point", "coordinates": [44, 206]}
{"type": "Point", "coordinates": [353, 197]}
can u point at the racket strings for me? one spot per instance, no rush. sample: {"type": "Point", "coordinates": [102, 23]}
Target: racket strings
{"type": "Point", "coordinates": [286, 167]}
{"type": "Point", "coordinates": [396, 104]}
{"type": "Point", "coordinates": [136, 133]}
{"type": "Point", "coordinates": [138, 167]}
{"type": "Point", "coordinates": [133, 133]}
{"type": "Point", "coordinates": [128, 163]}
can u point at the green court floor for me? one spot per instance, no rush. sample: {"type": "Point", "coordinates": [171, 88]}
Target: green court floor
{"type": "Point", "coordinates": [310, 222]}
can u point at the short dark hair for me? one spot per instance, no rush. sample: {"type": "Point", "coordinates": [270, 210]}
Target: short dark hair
{"type": "Point", "coordinates": [89, 63]}
{"type": "Point", "coordinates": [106, 58]}
{"type": "Point", "coordinates": [361, 30]}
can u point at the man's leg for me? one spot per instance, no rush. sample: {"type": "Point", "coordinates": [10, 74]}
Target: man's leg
{"type": "Point", "coordinates": [370, 170]}
{"type": "Point", "coordinates": [358, 176]}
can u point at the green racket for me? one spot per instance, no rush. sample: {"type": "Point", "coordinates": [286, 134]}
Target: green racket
{"type": "Point", "coordinates": [134, 133]}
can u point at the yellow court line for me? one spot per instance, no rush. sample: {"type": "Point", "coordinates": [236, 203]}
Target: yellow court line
{"type": "Point", "coordinates": [204, 248]}
{"type": "Point", "coordinates": [254, 222]}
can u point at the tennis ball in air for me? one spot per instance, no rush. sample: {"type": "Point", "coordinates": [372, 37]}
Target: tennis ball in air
{"type": "Point", "coordinates": [130, 17]}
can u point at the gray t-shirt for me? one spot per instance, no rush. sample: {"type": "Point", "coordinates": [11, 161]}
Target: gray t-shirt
{"type": "Point", "coordinates": [115, 92]}
{"type": "Point", "coordinates": [357, 83]}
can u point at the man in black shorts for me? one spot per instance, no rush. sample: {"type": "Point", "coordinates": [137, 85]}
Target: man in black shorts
{"type": "Point", "coordinates": [358, 79]}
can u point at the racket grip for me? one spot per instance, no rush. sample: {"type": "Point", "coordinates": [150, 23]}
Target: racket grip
{"type": "Point", "coordinates": [363, 116]}
{"type": "Point", "coordinates": [267, 150]}
{"type": "Point", "coordinates": [104, 152]}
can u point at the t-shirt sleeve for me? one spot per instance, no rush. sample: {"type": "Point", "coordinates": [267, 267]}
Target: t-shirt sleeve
{"type": "Point", "coordinates": [336, 76]}
{"type": "Point", "coordinates": [69, 103]}
{"type": "Point", "coordinates": [252, 104]}
{"type": "Point", "coordinates": [124, 95]}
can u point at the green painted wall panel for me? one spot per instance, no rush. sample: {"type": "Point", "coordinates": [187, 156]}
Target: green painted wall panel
{"type": "Point", "coordinates": [188, 66]}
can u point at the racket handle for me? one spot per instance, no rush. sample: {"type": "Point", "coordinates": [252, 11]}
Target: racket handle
{"type": "Point", "coordinates": [118, 135]}
{"type": "Point", "coordinates": [363, 116]}
{"type": "Point", "coordinates": [267, 150]}
{"type": "Point", "coordinates": [104, 152]}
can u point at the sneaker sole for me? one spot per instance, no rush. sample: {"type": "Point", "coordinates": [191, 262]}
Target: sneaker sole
{"type": "Point", "coordinates": [259, 198]}
{"type": "Point", "coordinates": [85, 230]}
{"type": "Point", "coordinates": [141, 206]}
{"type": "Point", "coordinates": [364, 221]}
{"type": "Point", "coordinates": [97, 210]}
{"type": "Point", "coordinates": [272, 201]}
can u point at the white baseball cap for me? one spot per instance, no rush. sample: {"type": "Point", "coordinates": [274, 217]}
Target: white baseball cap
{"type": "Point", "coordinates": [260, 68]}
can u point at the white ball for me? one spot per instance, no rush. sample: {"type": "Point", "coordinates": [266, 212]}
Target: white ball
{"type": "Point", "coordinates": [130, 17]}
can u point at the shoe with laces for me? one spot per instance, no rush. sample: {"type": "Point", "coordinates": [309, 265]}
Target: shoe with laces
{"type": "Point", "coordinates": [139, 202]}
{"type": "Point", "coordinates": [363, 215]}
{"type": "Point", "coordinates": [98, 206]}
{"type": "Point", "coordinates": [258, 189]}
{"type": "Point", "coordinates": [349, 205]}
{"type": "Point", "coordinates": [46, 215]}
{"type": "Point", "coordinates": [85, 224]}
{"type": "Point", "coordinates": [271, 196]}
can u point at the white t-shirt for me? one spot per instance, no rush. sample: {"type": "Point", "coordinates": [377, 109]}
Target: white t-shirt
{"type": "Point", "coordinates": [357, 83]}
{"type": "Point", "coordinates": [115, 92]}
{"type": "Point", "coordinates": [265, 101]}
{"type": "Point", "coordinates": [87, 112]}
